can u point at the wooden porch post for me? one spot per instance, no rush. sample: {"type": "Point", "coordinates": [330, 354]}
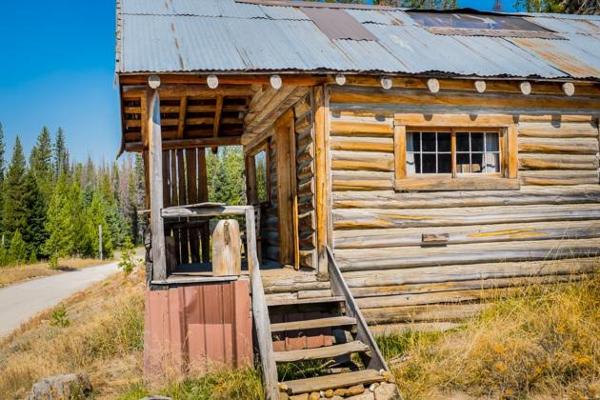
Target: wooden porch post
{"type": "Point", "coordinates": [322, 177]}
{"type": "Point", "coordinates": [159, 264]}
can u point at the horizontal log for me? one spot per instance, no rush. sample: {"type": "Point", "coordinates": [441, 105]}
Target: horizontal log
{"type": "Point", "coordinates": [381, 218]}
{"type": "Point", "coordinates": [188, 143]}
{"type": "Point", "coordinates": [404, 97]}
{"type": "Point", "coordinates": [341, 127]}
{"type": "Point", "coordinates": [402, 328]}
{"type": "Point", "coordinates": [362, 144]}
{"type": "Point", "coordinates": [560, 146]}
{"type": "Point", "coordinates": [451, 312]}
{"type": "Point", "coordinates": [526, 196]}
{"type": "Point", "coordinates": [538, 161]}
{"type": "Point", "coordinates": [470, 272]}
{"type": "Point", "coordinates": [466, 183]}
{"type": "Point", "coordinates": [453, 286]}
{"type": "Point", "coordinates": [549, 178]}
{"type": "Point", "coordinates": [407, 257]}
{"type": "Point", "coordinates": [362, 180]}
{"type": "Point", "coordinates": [558, 130]}
{"type": "Point", "coordinates": [419, 299]}
{"type": "Point", "coordinates": [381, 238]}
{"type": "Point", "coordinates": [358, 160]}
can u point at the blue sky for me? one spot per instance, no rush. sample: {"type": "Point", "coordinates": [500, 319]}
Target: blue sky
{"type": "Point", "coordinates": [56, 69]}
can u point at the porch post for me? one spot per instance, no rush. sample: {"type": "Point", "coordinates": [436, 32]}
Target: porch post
{"type": "Point", "coordinates": [322, 176]}
{"type": "Point", "coordinates": [159, 264]}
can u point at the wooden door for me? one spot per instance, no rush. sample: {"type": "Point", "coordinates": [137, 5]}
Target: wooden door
{"type": "Point", "coordinates": [286, 190]}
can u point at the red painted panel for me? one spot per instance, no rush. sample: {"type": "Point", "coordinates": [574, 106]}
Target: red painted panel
{"type": "Point", "coordinates": [196, 328]}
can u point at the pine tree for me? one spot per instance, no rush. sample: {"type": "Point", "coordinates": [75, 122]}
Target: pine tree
{"type": "Point", "coordinates": [15, 211]}
{"type": "Point", "coordinates": [60, 225]}
{"type": "Point", "coordinates": [97, 215]}
{"type": "Point", "coordinates": [34, 232]}
{"type": "Point", "coordinates": [40, 162]}
{"type": "Point", "coordinates": [1, 182]}
{"type": "Point", "coordinates": [61, 154]}
{"type": "Point", "coordinates": [17, 252]}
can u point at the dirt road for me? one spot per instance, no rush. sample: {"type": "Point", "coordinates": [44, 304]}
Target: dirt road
{"type": "Point", "coordinates": [20, 302]}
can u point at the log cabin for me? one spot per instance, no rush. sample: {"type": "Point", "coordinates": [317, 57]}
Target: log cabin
{"type": "Point", "coordinates": [403, 168]}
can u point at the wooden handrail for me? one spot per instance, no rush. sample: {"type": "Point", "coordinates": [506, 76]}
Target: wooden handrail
{"type": "Point", "coordinates": [260, 311]}
{"type": "Point", "coordinates": [340, 288]}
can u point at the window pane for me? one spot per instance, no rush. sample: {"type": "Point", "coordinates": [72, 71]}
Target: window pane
{"type": "Point", "coordinates": [429, 164]}
{"type": "Point", "coordinates": [444, 141]}
{"type": "Point", "coordinates": [491, 142]}
{"type": "Point", "coordinates": [412, 141]}
{"type": "Point", "coordinates": [462, 163]}
{"type": "Point", "coordinates": [491, 163]}
{"type": "Point", "coordinates": [462, 141]}
{"type": "Point", "coordinates": [428, 142]}
{"type": "Point", "coordinates": [444, 163]}
{"type": "Point", "coordinates": [418, 163]}
{"type": "Point", "coordinates": [477, 141]}
{"type": "Point", "coordinates": [477, 162]}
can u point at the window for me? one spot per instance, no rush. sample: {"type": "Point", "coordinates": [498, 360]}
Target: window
{"type": "Point", "coordinates": [460, 158]}
{"type": "Point", "coordinates": [431, 152]}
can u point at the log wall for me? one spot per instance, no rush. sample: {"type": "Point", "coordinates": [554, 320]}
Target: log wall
{"type": "Point", "coordinates": [305, 180]}
{"type": "Point", "coordinates": [270, 216]}
{"type": "Point", "coordinates": [546, 231]}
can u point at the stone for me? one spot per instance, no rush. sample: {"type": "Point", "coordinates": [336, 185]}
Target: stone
{"type": "Point", "coordinates": [303, 396]}
{"type": "Point", "coordinates": [364, 396]}
{"type": "Point", "coordinates": [328, 393]}
{"type": "Point", "coordinates": [354, 390]}
{"type": "Point", "coordinates": [62, 387]}
{"type": "Point", "coordinates": [314, 396]}
{"type": "Point", "coordinates": [386, 391]}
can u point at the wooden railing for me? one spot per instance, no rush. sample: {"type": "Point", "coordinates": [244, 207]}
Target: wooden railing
{"type": "Point", "coordinates": [340, 288]}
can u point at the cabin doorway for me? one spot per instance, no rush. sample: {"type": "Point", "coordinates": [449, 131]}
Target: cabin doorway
{"type": "Point", "coordinates": [285, 145]}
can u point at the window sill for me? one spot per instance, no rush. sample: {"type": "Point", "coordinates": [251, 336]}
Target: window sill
{"type": "Point", "coordinates": [439, 184]}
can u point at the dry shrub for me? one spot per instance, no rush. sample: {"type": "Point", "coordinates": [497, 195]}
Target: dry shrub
{"type": "Point", "coordinates": [104, 339]}
{"type": "Point", "coordinates": [544, 343]}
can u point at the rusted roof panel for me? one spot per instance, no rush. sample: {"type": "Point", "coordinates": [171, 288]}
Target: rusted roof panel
{"type": "Point", "coordinates": [225, 35]}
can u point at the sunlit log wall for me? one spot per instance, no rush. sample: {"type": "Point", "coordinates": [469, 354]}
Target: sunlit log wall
{"type": "Point", "coordinates": [547, 231]}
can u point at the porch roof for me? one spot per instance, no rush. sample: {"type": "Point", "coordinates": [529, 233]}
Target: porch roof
{"type": "Point", "coordinates": [228, 36]}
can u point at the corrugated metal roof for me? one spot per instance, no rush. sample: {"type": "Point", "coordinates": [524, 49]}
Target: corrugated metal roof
{"type": "Point", "coordinates": [223, 35]}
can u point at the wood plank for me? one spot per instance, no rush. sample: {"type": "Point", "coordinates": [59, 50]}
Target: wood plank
{"type": "Point", "coordinates": [321, 175]}
{"type": "Point", "coordinates": [191, 163]}
{"type": "Point", "coordinates": [320, 353]}
{"type": "Point", "coordinates": [182, 115]}
{"type": "Point", "coordinates": [427, 313]}
{"type": "Point", "coordinates": [343, 127]}
{"type": "Point", "coordinates": [558, 130]}
{"type": "Point", "coordinates": [313, 324]}
{"type": "Point", "coordinates": [343, 380]}
{"type": "Point", "coordinates": [188, 143]}
{"type": "Point", "coordinates": [332, 299]}
{"type": "Point", "coordinates": [399, 152]}
{"type": "Point", "coordinates": [540, 161]}
{"type": "Point", "coordinates": [439, 184]}
{"type": "Point", "coordinates": [385, 145]}
{"type": "Point", "coordinates": [560, 146]}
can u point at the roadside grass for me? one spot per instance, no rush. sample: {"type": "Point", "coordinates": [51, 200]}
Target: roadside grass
{"type": "Point", "coordinates": [542, 344]}
{"type": "Point", "coordinates": [15, 274]}
{"type": "Point", "coordinates": [98, 331]}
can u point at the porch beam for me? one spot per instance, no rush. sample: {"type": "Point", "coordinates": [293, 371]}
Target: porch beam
{"type": "Point", "coordinates": [159, 262]}
{"type": "Point", "coordinates": [321, 176]}
{"type": "Point", "coordinates": [187, 143]}
{"type": "Point", "coordinates": [182, 115]}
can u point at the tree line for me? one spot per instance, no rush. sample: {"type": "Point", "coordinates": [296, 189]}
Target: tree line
{"type": "Point", "coordinates": [51, 207]}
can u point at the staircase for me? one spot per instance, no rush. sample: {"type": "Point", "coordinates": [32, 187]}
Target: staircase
{"type": "Point", "coordinates": [325, 339]}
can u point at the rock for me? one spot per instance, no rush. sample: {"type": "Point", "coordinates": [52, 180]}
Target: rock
{"type": "Point", "coordinates": [364, 396]}
{"type": "Point", "coordinates": [354, 390]}
{"type": "Point", "coordinates": [386, 391]}
{"type": "Point", "coordinates": [314, 396]}
{"type": "Point", "coordinates": [62, 387]}
{"type": "Point", "coordinates": [303, 396]}
{"type": "Point", "coordinates": [328, 393]}
{"type": "Point", "coordinates": [337, 398]}
{"type": "Point", "coordinates": [373, 387]}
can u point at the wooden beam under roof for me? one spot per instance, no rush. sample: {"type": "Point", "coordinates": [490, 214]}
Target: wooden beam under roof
{"type": "Point", "coordinates": [189, 143]}
{"type": "Point", "coordinates": [182, 114]}
{"type": "Point", "coordinates": [199, 91]}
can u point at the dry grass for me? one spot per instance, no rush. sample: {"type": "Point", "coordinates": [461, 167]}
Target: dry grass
{"type": "Point", "coordinates": [544, 344]}
{"type": "Point", "coordinates": [103, 338]}
{"type": "Point", "coordinates": [11, 275]}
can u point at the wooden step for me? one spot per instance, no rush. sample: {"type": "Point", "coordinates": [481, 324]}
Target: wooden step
{"type": "Point", "coordinates": [291, 302]}
{"type": "Point", "coordinates": [313, 324]}
{"type": "Point", "coordinates": [334, 381]}
{"type": "Point", "coordinates": [320, 352]}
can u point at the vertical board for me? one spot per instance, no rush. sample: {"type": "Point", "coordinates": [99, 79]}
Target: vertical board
{"type": "Point", "coordinates": [197, 328]}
